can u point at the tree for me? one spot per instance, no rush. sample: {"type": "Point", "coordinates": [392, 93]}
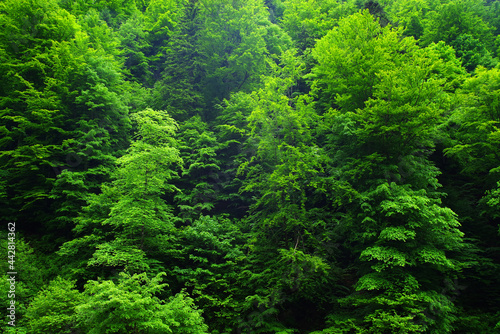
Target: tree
{"type": "Point", "coordinates": [59, 109]}
{"type": "Point", "coordinates": [53, 310]}
{"type": "Point", "coordinates": [410, 14]}
{"type": "Point", "coordinates": [308, 21]}
{"type": "Point", "coordinates": [28, 265]}
{"type": "Point", "coordinates": [135, 45]}
{"type": "Point", "coordinates": [285, 269]}
{"type": "Point", "coordinates": [209, 257]}
{"type": "Point", "coordinates": [199, 190]}
{"type": "Point", "coordinates": [461, 24]}
{"type": "Point", "coordinates": [31, 124]}
{"type": "Point", "coordinates": [131, 305]}
{"type": "Point", "coordinates": [389, 103]}
{"type": "Point", "coordinates": [178, 86]}
{"type": "Point", "coordinates": [232, 46]}
{"type": "Point", "coordinates": [472, 148]}
{"type": "Point", "coordinates": [135, 219]}
{"type": "Point", "coordinates": [355, 43]}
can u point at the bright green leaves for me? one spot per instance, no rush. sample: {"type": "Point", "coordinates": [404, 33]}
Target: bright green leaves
{"type": "Point", "coordinates": [152, 156]}
{"type": "Point", "coordinates": [414, 229]}
{"type": "Point", "coordinates": [162, 17]}
{"type": "Point", "coordinates": [138, 216]}
{"type": "Point", "coordinates": [30, 26]}
{"type": "Point", "coordinates": [407, 235]}
{"type": "Point", "coordinates": [101, 36]}
{"type": "Point", "coordinates": [362, 65]}
{"type": "Point", "coordinates": [330, 160]}
{"type": "Point", "coordinates": [142, 177]}
{"type": "Point", "coordinates": [350, 56]}
{"type": "Point", "coordinates": [280, 127]}
{"type": "Point", "coordinates": [28, 265]}
{"type": "Point", "coordinates": [478, 120]}
{"type": "Point", "coordinates": [62, 107]}
{"type": "Point", "coordinates": [461, 24]}
{"type": "Point", "coordinates": [131, 306]}
{"type": "Point", "coordinates": [396, 233]}
{"type": "Point", "coordinates": [31, 105]}
{"type": "Point", "coordinates": [128, 305]}
{"type": "Point", "coordinates": [408, 100]}
{"type": "Point", "coordinates": [306, 21]}
{"type": "Point", "coordinates": [53, 310]}
{"type": "Point", "coordinates": [392, 93]}
{"type": "Point", "coordinates": [275, 119]}
{"type": "Point", "coordinates": [390, 96]}
{"type": "Point", "coordinates": [456, 18]}
{"type": "Point", "coordinates": [410, 14]}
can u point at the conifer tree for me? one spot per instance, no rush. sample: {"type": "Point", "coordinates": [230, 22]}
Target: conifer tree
{"type": "Point", "coordinates": [198, 149]}
{"type": "Point", "coordinates": [133, 220]}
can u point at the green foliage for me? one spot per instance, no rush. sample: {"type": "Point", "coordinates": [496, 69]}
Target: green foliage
{"type": "Point", "coordinates": [232, 46]}
{"type": "Point", "coordinates": [473, 147]}
{"type": "Point", "coordinates": [58, 112]}
{"type": "Point", "coordinates": [131, 305]}
{"type": "Point", "coordinates": [135, 218]}
{"type": "Point", "coordinates": [461, 24]}
{"type": "Point", "coordinates": [360, 61]}
{"type": "Point", "coordinates": [53, 310]}
{"type": "Point", "coordinates": [453, 18]}
{"type": "Point", "coordinates": [30, 125]}
{"type": "Point", "coordinates": [209, 254]}
{"type": "Point", "coordinates": [135, 47]}
{"type": "Point", "coordinates": [29, 278]}
{"type": "Point", "coordinates": [198, 149]}
{"type": "Point", "coordinates": [389, 106]}
{"type": "Point", "coordinates": [161, 18]}
{"type": "Point", "coordinates": [472, 52]}
{"type": "Point", "coordinates": [288, 160]}
{"type": "Point", "coordinates": [410, 14]}
{"type": "Point", "coordinates": [349, 57]}
{"type": "Point", "coordinates": [286, 175]}
{"type": "Point", "coordinates": [276, 166]}
{"type": "Point", "coordinates": [307, 21]}
{"type": "Point", "coordinates": [478, 121]}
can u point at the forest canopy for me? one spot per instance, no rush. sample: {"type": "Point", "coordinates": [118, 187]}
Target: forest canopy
{"type": "Point", "coordinates": [248, 166]}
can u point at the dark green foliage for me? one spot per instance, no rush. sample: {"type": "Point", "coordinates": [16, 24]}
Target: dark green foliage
{"type": "Point", "coordinates": [198, 149]}
{"type": "Point", "coordinates": [58, 112]}
{"type": "Point", "coordinates": [31, 104]}
{"type": "Point", "coordinates": [209, 257]}
{"type": "Point", "coordinates": [178, 75]}
{"type": "Point", "coordinates": [473, 147]}
{"type": "Point", "coordinates": [277, 166]}
{"type": "Point", "coordinates": [472, 52]}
